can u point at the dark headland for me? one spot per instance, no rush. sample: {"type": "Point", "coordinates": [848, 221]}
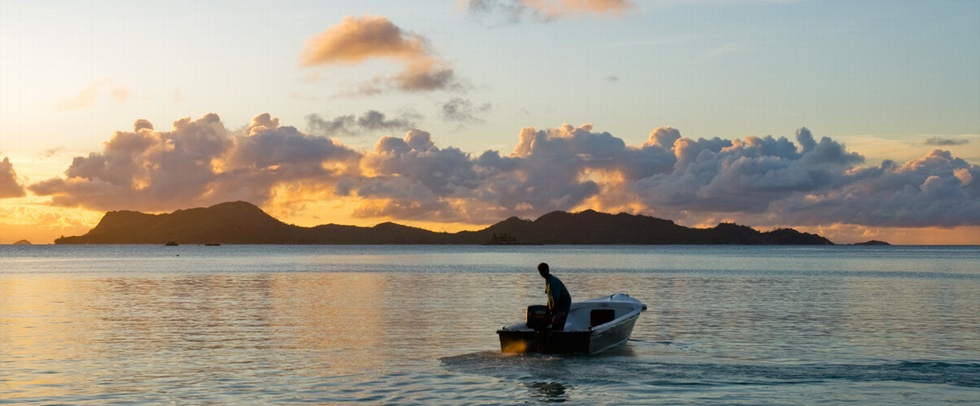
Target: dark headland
{"type": "Point", "coordinates": [244, 223]}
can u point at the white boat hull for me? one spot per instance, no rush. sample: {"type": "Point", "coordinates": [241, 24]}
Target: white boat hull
{"type": "Point", "coordinates": [592, 326]}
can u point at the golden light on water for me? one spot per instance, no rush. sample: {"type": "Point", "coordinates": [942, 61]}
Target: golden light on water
{"type": "Point", "coordinates": [53, 322]}
{"type": "Point", "coordinates": [40, 331]}
{"type": "Point", "coordinates": [334, 308]}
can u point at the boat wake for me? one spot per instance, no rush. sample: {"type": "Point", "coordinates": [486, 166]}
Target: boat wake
{"type": "Point", "coordinates": [620, 366]}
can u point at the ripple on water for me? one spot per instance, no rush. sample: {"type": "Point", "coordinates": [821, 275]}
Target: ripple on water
{"type": "Point", "coordinates": [345, 324]}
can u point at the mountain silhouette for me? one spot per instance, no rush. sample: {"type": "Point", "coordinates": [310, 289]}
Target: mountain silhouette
{"type": "Point", "coordinates": [244, 223]}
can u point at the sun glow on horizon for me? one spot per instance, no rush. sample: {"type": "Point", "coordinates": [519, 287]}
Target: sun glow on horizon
{"type": "Point", "coordinates": [34, 219]}
{"type": "Point", "coordinates": [362, 113]}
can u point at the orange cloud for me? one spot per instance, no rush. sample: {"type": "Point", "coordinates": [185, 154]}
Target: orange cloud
{"type": "Point", "coordinates": [515, 10]}
{"type": "Point", "coordinates": [356, 40]}
{"type": "Point", "coordinates": [557, 8]}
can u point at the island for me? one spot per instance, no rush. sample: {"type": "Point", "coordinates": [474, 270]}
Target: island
{"type": "Point", "coordinates": [872, 242]}
{"type": "Point", "coordinates": [245, 223]}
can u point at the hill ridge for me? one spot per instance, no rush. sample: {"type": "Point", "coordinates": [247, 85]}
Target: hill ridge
{"type": "Point", "coordinates": [244, 223]}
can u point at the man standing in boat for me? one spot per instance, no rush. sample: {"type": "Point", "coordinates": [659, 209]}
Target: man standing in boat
{"type": "Point", "coordinates": [559, 300]}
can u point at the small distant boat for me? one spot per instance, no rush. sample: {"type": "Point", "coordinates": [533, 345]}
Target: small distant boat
{"type": "Point", "coordinates": [212, 244]}
{"type": "Point", "coordinates": [592, 326]}
{"type": "Point", "coordinates": [170, 244]}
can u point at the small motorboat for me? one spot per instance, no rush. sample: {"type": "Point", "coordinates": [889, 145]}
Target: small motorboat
{"type": "Point", "coordinates": [592, 326]}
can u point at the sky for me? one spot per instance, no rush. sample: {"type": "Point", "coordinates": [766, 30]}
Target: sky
{"type": "Point", "coordinates": [855, 120]}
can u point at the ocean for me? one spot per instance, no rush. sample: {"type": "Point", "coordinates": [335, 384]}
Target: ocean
{"type": "Point", "coordinates": [240, 324]}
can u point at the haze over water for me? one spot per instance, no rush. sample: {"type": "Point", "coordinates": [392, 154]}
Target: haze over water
{"type": "Point", "coordinates": [416, 324]}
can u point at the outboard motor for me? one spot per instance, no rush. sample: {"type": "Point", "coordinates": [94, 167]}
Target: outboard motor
{"type": "Point", "coordinates": [538, 317]}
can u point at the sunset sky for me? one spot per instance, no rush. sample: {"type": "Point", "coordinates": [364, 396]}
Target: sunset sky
{"type": "Point", "coordinates": [855, 120]}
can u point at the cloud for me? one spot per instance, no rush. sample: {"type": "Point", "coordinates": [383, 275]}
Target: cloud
{"type": "Point", "coordinates": [747, 176]}
{"type": "Point", "coordinates": [935, 190]}
{"type": "Point", "coordinates": [945, 142]}
{"type": "Point", "coordinates": [463, 111]}
{"type": "Point", "coordinates": [414, 178]}
{"type": "Point", "coordinates": [268, 155]}
{"type": "Point", "coordinates": [50, 152]}
{"type": "Point", "coordinates": [357, 40]}
{"type": "Point", "coordinates": [10, 186]}
{"type": "Point", "coordinates": [424, 75]}
{"type": "Point", "coordinates": [197, 162]}
{"type": "Point", "coordinates": [545, 10]}
{"type": "Point", "coordinates": [88, 96]}
{"type": "Point", "coordinates": [765, 180]}
{"type": "Point", "coordinates": [761, 181]}
{"type": "Point", "coordinates": [725, 50]}
{"type": "Point", "coordinates": [144, 169]}
{"type": "Point", "coordinates": [370, 121]}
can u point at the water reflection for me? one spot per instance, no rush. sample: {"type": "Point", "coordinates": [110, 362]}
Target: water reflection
{"type": "Point", "coordinates": [547, 392]}
{"type": "Point", "coordinates": [194, 331]}
{"type": "Point", "coordinates": [289, 328]}
{"type": "Point", "coordinates": [338, 318]}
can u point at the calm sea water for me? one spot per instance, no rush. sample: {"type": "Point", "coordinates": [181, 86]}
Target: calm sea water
{"type": "Point", "coordinates": [416, 325]}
